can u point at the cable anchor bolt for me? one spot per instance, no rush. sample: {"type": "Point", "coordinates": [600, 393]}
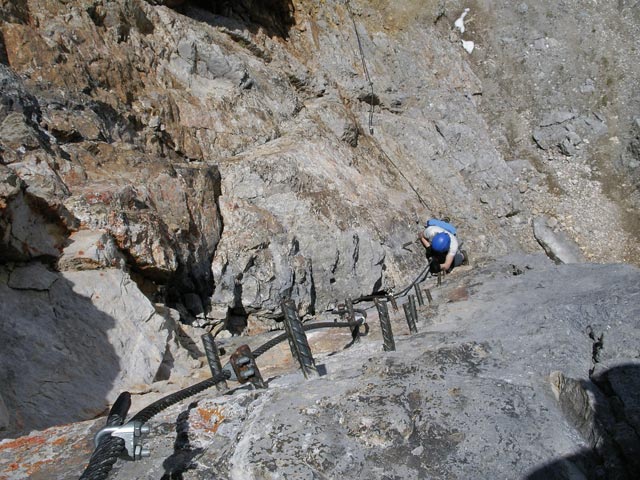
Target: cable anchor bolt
{"type": "Point", "coordinates": [132, 434]}
{"type": "Point", "coordinates": [244, 367]}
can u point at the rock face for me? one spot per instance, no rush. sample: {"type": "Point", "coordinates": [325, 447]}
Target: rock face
{"type": "Point", "coordinates": [217, 157]}
{"type": "Point", "coordinates": [180, 106]}
{"type": "Point", "coordinates": [561, 90]}
{"type": "Point", "coordinates": [71, 342]}
{"type": "Point", "coordinates": [496, 385]}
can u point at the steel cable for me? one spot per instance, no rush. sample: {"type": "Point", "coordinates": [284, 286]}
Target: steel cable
{"type": "Point", "coordinates": [421, 277]}
{"type": "Point", "coordinates": [103, 458]}
{"type": "Point", "coordinates": [309, 326]}
{"type": "Point", "coordinates": [364, 67]}
{"type": "Point", "coordinates": [368, 77]}
{"type": "Point", "coordinates": [110, 448]}
{"type": "Point", "coordinates": [156, 407]}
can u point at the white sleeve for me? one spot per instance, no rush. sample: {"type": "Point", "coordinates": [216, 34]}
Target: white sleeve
{"type": "Point", "coordinates": [453, 247]}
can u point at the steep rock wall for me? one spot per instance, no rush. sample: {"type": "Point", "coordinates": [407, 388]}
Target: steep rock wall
{"type": "Point", "coordinates": [227, 157]}
{"type": "Point", "coordinates": [150, 91]}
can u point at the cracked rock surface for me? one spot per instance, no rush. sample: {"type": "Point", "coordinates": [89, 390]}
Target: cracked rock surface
{"type": "Point", "coordinates": [172, 166]}
{"type": "Point", "coordinates": [495, 385]}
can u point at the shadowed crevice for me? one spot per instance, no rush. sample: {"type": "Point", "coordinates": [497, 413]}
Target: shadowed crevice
{"type": "Point", "coordinates": [182, 459]}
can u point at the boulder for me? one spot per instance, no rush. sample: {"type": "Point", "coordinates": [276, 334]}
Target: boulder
{"type": "Point", "coordinates": [16, 134]}
{"type": "Point", "coordinates": [72, 342]}
{"type": "Point", "coordinates": [30, 228]}
{"type": "Point", "coordinates": [32, 276]}
{"type": "Point", "coordinates": [558, 246]}
{"type": "Point", "coordinates": [567, 130]}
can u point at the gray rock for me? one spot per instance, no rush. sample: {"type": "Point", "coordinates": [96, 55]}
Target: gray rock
{"type": "Point", "coordinates": [565, 130]}
{"type": "Point", "coordinates": [479, 373]}
{"type": "Point", "coordinates": [558, 246]}
{"type": "Point", "coordinates": [589, 86]}
{"type": "Point", "coordinates": [540, 44]}
{"type": "Point", "coordinates": [73, 343]}
{"type": "Point", "coordinates": [28, 231]}
{"type": "Point", "coordinates": [16, 96]}
{"type": "Point", "coordinates": [183, 351]}
{"type": "Point", "coordinates": [33, 276]}
{"type": "Point", "coordinates": [16, 134]}
{"type": "Point", "coordinates": [557, 117]}
{"type": "Point", "coordinates": [88, 249]}
{"type": "Point", "coordinates": [630, 158]}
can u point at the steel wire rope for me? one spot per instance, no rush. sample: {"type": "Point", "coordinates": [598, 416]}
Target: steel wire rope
{"type": "Point", "coordinates": [156, 407]}
{"type": "Point", "coordinates": [368, 77]}
{"type": "Point", "coordinates": [424, 204]}
{"type": "Point", "coordinates": [109, 449]}
{"type": "Point", "coordinates": [364, 66]}
{"type": "Point", "coordinates": [421, 277]}
{"type": "Point", "coordinates": [309, 326]}
{"type": "Point", "coordinates": [103, 458]}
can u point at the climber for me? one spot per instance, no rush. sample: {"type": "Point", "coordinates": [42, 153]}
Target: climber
{"type": "Point", "coordinates": [443, 248]}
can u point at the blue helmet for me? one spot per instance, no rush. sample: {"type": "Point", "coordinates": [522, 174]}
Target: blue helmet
{"type": "Point", "coordinates": [441, 242]}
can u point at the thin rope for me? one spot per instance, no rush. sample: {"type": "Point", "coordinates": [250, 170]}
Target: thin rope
{"type": "Point", "coordinates": [424, 204]}
{"type": "Point", "coordinates": [368, 77]}
{"type": "Point", "coordinates": [364, 67]}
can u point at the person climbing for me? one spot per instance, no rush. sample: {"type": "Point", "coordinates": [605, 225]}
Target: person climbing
{"type": "Point", "coordinates": [443, 249]}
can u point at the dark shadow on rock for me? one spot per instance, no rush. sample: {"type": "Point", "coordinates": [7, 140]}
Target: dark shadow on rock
{"type": "Point", "coordinates": [183, 454]}
{"type": "Point", "coordinates": [57, 364]}
{"type": "Point", "coordinates": [15, 11]}
{"type": "Point", "coordinates": [4, 59]}
{"type": "Point", "coordinates": [606, 412]}
{"type": "Point", "coordinates": [274, 17]}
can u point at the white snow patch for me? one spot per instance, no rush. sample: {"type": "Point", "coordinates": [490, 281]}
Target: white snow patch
{"type": "Point", "coordinates": [468, 45]}
{"type": "Point", "coordinates": [459, 23]}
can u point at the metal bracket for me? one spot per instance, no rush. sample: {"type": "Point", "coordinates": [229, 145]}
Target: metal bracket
{"type": "Point", "coordinates": [243, 367]}
{"type": "Point", "coordinates": [131, 433]}
{"type": "Point", "coordinates": [229, 368]}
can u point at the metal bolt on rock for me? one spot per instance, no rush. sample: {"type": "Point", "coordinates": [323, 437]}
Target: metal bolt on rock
{"type": "Point", "coordinates": [351, 317]}
{"type": "Point", "coordinates": [298, 339]}
{"type": "Point", "coordinates": [385, 325]}
{"type": "Point", "coordinates": [419, 294]}
{"type": "Point", "coordinates": [394, 304]}
{"type": "Point", "coordinates": [213, 358]}
{"type": "Point", "coordinates": [245, 368]}
{"type": "Point", "coordinates": [429, 297]}
{"type": "Point", "coordinates": [411, 321]}
{"type": "Point", "coordinates": [414, 313]}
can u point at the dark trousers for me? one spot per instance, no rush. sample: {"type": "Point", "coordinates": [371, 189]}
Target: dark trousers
{"type": "Point", "coordinates": [438, 258]}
